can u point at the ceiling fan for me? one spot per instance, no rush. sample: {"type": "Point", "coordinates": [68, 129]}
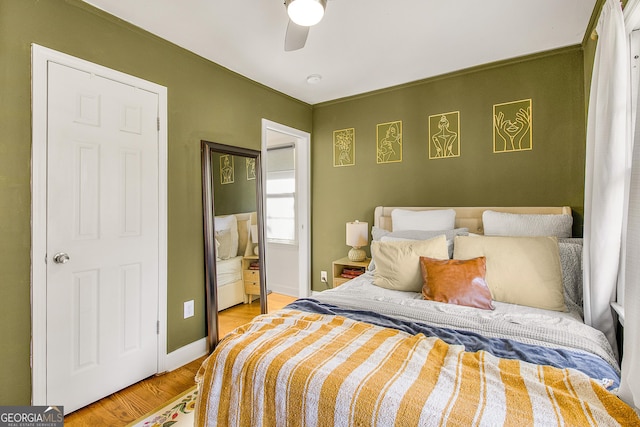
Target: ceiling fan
{"type": "Point", "coordinates": [302, 15]}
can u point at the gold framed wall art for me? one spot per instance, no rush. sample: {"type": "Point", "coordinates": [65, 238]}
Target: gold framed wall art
{"type": "Point", "coordinates": [344, 147]}
{"type": "Point", "coordinates": [444, 135]}
{"type": "Point", "coordinates": [389, 142]}
{"type": "Point", "coordinates": [226, 169]}
{"type": "Point", "coordinates": [512, 130]}
{"type": "Point", "coordinates": [251, 168]}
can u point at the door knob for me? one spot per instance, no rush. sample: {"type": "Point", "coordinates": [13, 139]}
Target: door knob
{"type": "Point", "coordinates": [61, 258]}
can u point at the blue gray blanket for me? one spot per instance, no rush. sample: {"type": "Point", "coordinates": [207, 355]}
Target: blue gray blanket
{"type": "Point", "coordinates": [592, 365]}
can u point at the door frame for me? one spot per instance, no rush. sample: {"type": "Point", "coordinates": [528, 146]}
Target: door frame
{"type": "Point", "coordinates": [40, 57]}
{"type": "Point", "coordinates": [303, 194]}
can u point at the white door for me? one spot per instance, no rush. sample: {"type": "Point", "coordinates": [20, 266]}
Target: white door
{"type": "Point", "coordinates": [102, 236]}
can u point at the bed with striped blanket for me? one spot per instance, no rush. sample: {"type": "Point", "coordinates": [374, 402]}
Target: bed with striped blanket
{"type": "Point", "coordinates": [317, 364]}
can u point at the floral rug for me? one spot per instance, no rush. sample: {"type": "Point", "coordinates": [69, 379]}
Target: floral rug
{"type": "Point", "coordinates": [177, 413]}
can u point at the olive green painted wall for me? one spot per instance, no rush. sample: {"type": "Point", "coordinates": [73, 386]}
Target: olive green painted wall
{"type": "Point", "coordinates": [550, 174]}
{"type": "Point", "coordinates": [238, 196]}
{"type": "Point", "coordinates": [206, 101]}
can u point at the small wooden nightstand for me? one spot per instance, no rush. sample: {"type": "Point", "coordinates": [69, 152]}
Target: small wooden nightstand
{"type": "Point", "coordinates": [250, 277]}
{"type": "Point", "coordinates": [339, 264]}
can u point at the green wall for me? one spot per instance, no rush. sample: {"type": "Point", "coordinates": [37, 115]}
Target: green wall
{"type": "Point", "coordinates": [550, 174]}
{"type": "Point", "coordinates": [238, 196]}
{"type": "Point", "coordinates": [206, 102]}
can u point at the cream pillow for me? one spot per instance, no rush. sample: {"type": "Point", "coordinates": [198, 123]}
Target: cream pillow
{"type": "Point", "coordinates": [437, 219]}
{"type": "Point", "coordinates": [228, 222]}
{"type": "Point", "coordinates": [520, 270]}
{"type": "Point", "coordinates": [398, 263]}
{"type": "Point", "coordinates": [224, 244]}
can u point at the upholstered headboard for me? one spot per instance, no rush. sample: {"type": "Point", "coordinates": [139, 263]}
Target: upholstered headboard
{"type": "Point", "coordinates": [245, 220]}
{"type": "Point", "coordinates": [466, 217]}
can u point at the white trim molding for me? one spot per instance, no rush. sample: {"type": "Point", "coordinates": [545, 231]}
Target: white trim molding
{"type": "Point", "coordinates": [303, 197]}
{"type": "Point", "coordinates": [186, 354]}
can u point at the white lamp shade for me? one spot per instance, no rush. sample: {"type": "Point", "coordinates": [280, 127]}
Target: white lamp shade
{"type": "Point", "coordinates": [306, 12]}
{"type": "Point", "coordinates": [254, 233]}
{"type": "Point", "coordinates": [357, 234]}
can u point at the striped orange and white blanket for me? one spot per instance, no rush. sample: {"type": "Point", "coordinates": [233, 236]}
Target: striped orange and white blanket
{"type": "Point", "coordinates": [293, 368]}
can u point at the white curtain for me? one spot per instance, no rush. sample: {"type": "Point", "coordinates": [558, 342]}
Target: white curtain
{"type": "Point", "coordinates": [630, 383]}
{"type": "Point", "coordinates": [605, 169]}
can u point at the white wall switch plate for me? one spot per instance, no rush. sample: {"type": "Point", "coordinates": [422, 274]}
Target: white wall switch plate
{"type": "Point", "coordinates": [188, 309]}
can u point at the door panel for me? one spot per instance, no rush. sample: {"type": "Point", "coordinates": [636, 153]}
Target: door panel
{"type": "Point", "coordinates": [102, 210]}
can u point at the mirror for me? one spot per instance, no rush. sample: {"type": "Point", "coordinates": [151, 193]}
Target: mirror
{"type": "Point", "coordinates": [233, 232]}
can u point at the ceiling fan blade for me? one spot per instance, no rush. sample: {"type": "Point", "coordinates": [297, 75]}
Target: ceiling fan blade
{"type": "Point", "coordinates": [295, 37]}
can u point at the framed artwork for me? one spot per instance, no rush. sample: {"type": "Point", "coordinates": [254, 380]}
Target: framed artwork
{"type": "Point", "coordinates": [444, 135]}
{"type": "Point", "coordinates": [251, 168]}
{"type": "Point", "coordinates": [512, 126]}
{"type": "Point", "coordinates": [344, 147]}
{"type": "Point", "coordinates": [389, 142]}
{"type": "Point", "coordinates": [226, 169]}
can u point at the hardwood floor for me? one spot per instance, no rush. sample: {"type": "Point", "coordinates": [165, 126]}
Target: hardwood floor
{"type": "Point", "coordinates": [233, 317]}
{"type": "Point", "coordinates": [126, 406]}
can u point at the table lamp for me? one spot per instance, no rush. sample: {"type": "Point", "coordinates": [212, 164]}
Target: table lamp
{"type": "Point", "coordinates": [357, 236]}
{"type": "Point", "coordinates": [254, 238]}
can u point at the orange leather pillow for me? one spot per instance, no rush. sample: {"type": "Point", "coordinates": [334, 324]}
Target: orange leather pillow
{"type": "Point", "coordinates": [456, 281]}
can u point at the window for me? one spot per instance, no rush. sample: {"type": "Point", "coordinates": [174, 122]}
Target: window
{"type": "Point", "coordinates": [281, 195]}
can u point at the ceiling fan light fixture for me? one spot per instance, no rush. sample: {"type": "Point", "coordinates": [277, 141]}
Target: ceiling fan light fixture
{"type": "Point", "coordinates": [306, 12]}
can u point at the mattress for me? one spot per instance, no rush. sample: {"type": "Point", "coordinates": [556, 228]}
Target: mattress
{"type": "Point", "coordinates": [229, 270]}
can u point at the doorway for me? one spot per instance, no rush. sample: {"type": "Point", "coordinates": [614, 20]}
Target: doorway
{"type": "Point", "coordinates": [98, 230]}
{"type": "Point", "coordinates": [285, 151]}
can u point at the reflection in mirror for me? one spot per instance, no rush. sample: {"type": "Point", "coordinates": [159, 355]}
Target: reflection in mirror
{"type": "Point", "coordinates": [233, 230]}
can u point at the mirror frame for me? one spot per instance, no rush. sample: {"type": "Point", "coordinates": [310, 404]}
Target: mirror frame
{"type": "Point", "coordinates": [208, 212]}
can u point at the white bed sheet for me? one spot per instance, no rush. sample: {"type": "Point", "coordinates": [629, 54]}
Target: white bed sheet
{"type": "Point", "coordinates": [229, 270]}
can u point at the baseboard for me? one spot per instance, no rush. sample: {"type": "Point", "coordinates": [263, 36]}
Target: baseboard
{"type": "Point", "coordinates": [186, 354]}
{"type": "Point", "coordinates": [283, 289]}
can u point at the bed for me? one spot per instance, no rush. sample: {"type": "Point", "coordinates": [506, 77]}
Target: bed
{"type": "Point", "coordinates": [233, 243]}
{"type": "Point", "coordinates": [383, 349]}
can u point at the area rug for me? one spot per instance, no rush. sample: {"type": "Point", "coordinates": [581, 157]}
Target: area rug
{"type": "Point", "coordinates": [177, 413]}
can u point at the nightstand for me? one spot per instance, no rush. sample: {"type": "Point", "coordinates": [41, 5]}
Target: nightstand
{"type": "Point", "coordinates": [251, 276]}
{"type": "Point", "coordinates": [340, 264]}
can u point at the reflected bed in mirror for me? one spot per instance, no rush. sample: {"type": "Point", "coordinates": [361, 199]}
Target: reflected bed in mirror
{"type": "Point", "coordinates": [232, 204]}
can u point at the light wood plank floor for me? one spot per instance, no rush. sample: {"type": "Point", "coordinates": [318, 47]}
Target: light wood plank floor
{"type": "Point", "coordinates": [126, 406]}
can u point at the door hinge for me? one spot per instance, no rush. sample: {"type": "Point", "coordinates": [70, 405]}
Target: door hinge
{"type": "Point", "coordinates": [158, 122]}
{"type": "Point", "coordinates": [158, 327]}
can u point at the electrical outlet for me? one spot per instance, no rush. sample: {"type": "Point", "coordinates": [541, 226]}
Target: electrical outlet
{"type": "Point", "coordinates": [323, 276]}
{"type": "Point", "coordinates": [188, 309]}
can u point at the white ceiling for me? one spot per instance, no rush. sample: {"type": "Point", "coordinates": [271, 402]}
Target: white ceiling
{"type": "Point", "coordinates": [360, 45]}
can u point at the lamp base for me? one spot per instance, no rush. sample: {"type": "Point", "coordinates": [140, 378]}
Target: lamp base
{"type": "Point", "coordinates": [357, 254]}
{"type": "Point", "coordinates": [256, 250]}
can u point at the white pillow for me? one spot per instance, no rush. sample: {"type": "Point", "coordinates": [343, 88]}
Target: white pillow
{"type": "Point", "coordinates": [398, 262]}
{"type": "Point", "coordinates": [230, 223]}
{"type": "Point", "coordinates": [520, 270]}
{"type": "Point", "coordinates": [509, 224]}
{"type": "Point", "coordinates": [438, 219]}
